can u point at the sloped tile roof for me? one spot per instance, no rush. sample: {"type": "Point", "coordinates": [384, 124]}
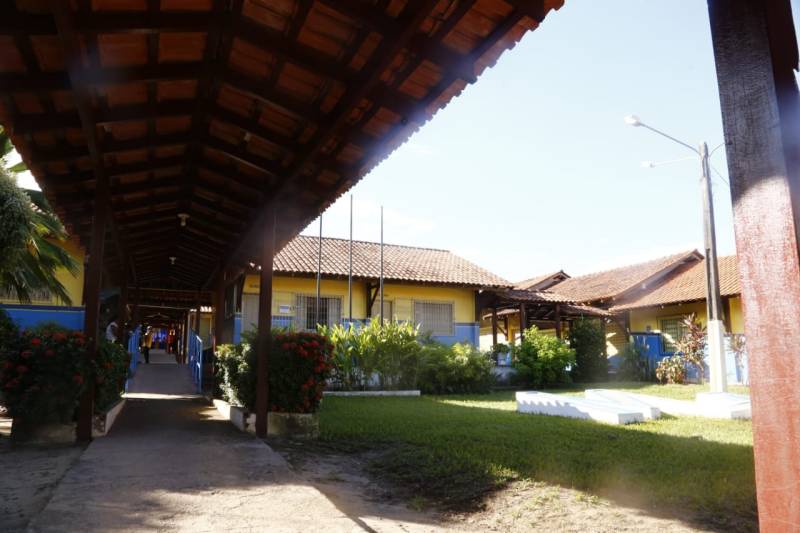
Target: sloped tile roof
{"type": "Point", "coordinates": [688, 285]}
{"type": "Point", "coordinates": [533, 283]}
{"type": "Point", "coordinates": [613, 283]}
{"type": "Point", "coordinates": [400, 263]}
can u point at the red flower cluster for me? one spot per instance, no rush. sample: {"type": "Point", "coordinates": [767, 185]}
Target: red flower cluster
{"type": "Point", "coordinates": [300, 366]}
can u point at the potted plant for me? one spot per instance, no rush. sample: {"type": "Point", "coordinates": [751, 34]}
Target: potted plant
{"type": "Point", "coordinates": [42, 381]}
{"type": "Point", "coordinates": [300, 364]}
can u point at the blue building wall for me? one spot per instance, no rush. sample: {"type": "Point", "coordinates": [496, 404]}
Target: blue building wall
{"type": "Point", "coordinates": [463, 332]}
{"type": "Point", "coordinates": [28, 316]}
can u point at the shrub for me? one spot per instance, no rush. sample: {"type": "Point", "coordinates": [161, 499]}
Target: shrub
{"type": "Point", "coordinates": [633, 366]}
{"type": "Point", "coordinates": [43, 379]}
{"type": "Point", "coordinates": [587, 339]}
{"type": "Point", "coordinates": [542, 360]}
{"type": "Point", "coordinates": [299, 364]}
{"type": "Point", "coordinates": [348, 371]}
{"type": "Point", "coordinates": [692, 344]}
{"type": "Point", "coordinates": [9, 335]}
{"type": "Point", "coordinates": [671, 370]}
{"type": "Point", "coordinates": [458, 369]}
{"type": "Point", "coordinates": [388, 351]}
{"type": "Point", "coordinates": [110, 371]}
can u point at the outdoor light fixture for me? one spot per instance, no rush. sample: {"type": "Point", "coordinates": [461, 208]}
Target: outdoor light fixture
{"type": "Point", "coordinates": [632, 120]}
{"type": "Point", "coordinates": [172, 259]}
{"type": "Point", "coordinates": [183, 217]}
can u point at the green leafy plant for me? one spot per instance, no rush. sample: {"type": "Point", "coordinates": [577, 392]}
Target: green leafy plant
{"type": "Point", "coordinates": [111, 366]}
{"type": "Point", "coordinates": [739, 349]}
{"type": "Point", "coordinates": [633, 366]}
{"type": "Point", "coordinates": [542, 360]}
{"type": "Point", "coordinates": [456, 369]}
{"type": "Point", "coordinates": [672, 370]}
{"type": "Point", "coordinates": [586, 337]}
{"type": "Point", "coordinates": [299, 365]}
{"type": "Point", "coordinates": [30, 236]}
{"type": "Point", "coordinates": [388, 352]}
{"type": "Point", "coordinates": [692, 343]}
{"type": "Point", "coordinates": [42, 380]}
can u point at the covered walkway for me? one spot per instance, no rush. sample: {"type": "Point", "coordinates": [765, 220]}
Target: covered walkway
{"type": "Point", "coordinates": [171, 463]}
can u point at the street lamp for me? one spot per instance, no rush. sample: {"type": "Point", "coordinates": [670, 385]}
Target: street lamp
{"type": "Point", "coordinates": [715, 328]}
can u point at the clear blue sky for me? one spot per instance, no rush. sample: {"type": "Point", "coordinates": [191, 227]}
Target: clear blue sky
{"type": "Point", "coordinates": [532, 170]}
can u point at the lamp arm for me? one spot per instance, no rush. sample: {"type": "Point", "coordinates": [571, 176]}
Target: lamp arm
{"type": "Point", "coordinates": [670, 137]}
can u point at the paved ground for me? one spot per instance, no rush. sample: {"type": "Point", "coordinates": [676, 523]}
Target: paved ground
{"type": "Point", "coordinates": [171, 463]}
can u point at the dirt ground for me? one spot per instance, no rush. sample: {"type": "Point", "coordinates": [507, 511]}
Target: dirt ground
{"type": "Point", "coordinates": [521, 506]}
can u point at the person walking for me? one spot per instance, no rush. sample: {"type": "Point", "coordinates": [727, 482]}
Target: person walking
{"type": "Point", "coordinates": [147, 342]}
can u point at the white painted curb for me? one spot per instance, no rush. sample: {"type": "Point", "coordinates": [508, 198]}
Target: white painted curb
{"type": "Point", "coordinates": [372, 393]}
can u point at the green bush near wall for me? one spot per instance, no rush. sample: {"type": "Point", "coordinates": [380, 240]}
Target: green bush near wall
{"type": "Point", "coordinates": [542, 360]}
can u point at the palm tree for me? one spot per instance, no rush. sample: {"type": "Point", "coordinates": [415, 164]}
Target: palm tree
{"type": "Point", "coordinates": [30, 237]}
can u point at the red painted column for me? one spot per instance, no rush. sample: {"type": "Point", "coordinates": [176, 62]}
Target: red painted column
{"type": "Point", "coordinates": [756, 51]}
{"type": "Point", "coordinates": [265, 325]}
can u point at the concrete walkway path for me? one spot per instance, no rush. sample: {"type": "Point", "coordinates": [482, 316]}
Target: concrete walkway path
{"type": "Point", "coordinates": [171, 463]}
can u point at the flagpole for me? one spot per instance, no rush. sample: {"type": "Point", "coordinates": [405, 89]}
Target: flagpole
{"type": "Point", "coordinates": [319, 271]}
{"type": "Point", "coordinates": [350, 266]}
{"type": "Point", "coordinates": [381, 283]}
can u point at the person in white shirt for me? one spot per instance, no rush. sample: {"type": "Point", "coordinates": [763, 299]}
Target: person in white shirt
{"type": "Point", "coordinates": [111, 331]}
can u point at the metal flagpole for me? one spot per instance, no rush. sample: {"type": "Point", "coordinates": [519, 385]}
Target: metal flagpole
{"type": "Point", "coordinates": [381, 282]}
{"type": "Point", "coordinates": [319, 271]}
{"type": "Point", "coordinates": [350, 266]}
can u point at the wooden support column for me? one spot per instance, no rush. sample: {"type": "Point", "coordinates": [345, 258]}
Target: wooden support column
{"type": "Point", "coordinates": [265, 324]}
{"type": "Point", "coordinates": [523, 320]}
{"type": "Point", "coordinates": [557, 319]}
{"type": "Point", "coordinates": [122, 314]}
{"type": "Point", "coordinates": [755, 48]}
{"type": "Point", "coordinates": [91, 315]}
{"type": "Point", "coordinates": [494, 327]}
{"type": "Point", "coordinates": [605, 336]}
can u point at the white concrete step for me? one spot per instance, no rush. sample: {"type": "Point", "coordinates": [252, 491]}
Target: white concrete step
{"type": "Point", "coordinates": [649, 411]}
{"type": "Point", "coordinates": [572, 407]}
{"type": "Point", "coordinates": [707, 405]}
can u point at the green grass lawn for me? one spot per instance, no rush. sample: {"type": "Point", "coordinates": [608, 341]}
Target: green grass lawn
{"type": "Point", "coordinates": [452, 449]}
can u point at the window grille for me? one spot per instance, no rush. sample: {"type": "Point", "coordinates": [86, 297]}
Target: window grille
{"type": "Point", "coordinates": [672, 330]}
{"type": "Point", "coordinates": [388, 309]}
{"type": "Point", "coordinates": [306, 317]}
{"type": "Point", "coordinates": [435, 318]}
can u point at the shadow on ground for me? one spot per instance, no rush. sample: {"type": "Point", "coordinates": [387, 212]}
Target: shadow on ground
{"type": "Point", "coordinates": [455, 454]}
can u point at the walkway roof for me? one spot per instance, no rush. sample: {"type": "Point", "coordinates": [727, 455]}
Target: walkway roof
{"type": "Point", "coordinates": [220, 108]}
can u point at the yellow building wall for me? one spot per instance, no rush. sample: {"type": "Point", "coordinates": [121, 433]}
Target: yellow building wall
{"type": "Point", "coordinates": [402, 296]}
{"type": "Point", "coordinates": [652, 316]}
{"type": "Point", "coordinates": [73, 284]}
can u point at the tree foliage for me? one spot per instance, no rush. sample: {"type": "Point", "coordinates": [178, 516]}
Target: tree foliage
{"type": "Point", "coordinates": [692, 344]}
{"type": "Point", "coordinates": [30, 237]}
{"type": "Point", "coordinates": [587, 339]}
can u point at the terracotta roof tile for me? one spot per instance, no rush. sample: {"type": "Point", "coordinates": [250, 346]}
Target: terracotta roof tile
{"type": "Point", "coordinates": [546, 279]}
{"type": "Point", "coordinates": [688, 285]}
{"type": "Point", "coordinates": [400, 263]}
{"type": "Point", "coordinates": [613, 283]}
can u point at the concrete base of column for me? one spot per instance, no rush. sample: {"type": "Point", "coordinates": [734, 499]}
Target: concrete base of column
{"type": "Point", "coordinates": [716, 356]}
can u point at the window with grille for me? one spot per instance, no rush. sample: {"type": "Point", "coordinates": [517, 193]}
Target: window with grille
{"type": "Point", "coordinates": [388, 309]}
{"type": "Point", "coordinates": [672, 330]}
{"type": "Point", "coordinates": [37, 295]}
{"type": "Point", "coordinates": [435, 318]}
{"type": "Point", "coordinates": [307, 317]}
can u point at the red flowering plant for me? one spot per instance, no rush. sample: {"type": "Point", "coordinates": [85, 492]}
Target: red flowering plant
{"type": "Point", "coordinates": [43, 378]}
{"type": "Point", "coordinates": [299, 365]}
{"type": "Point", "coordinates": [110, 372]}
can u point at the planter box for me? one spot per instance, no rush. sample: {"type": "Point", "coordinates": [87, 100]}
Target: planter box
{"type": "Point", "coordinates": [372, 393]}
{"type": "Point", "coordinates": [49, 433]}
{"type": "Point", "coordinates": [293, 425]}
{"type": "Point", "coordinates": [238, 416]}
{"type": "Point", "coordinates": [103, 422]}
{"type": "Point", "coordinates": [54, 433]}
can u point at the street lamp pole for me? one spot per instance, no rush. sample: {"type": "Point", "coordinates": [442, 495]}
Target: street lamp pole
{"type": "Point", "coordinates": [715, 328]}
